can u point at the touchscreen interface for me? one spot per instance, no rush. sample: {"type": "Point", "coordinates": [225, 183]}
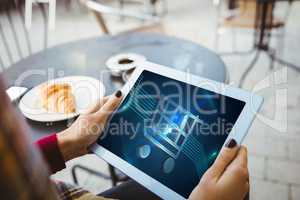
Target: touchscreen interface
{"type": "Point", "coordinates": [171, 130]}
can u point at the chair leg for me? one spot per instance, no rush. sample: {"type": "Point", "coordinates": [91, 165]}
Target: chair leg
{"type": "Point", "coordinates": [252, 64]}
{"type": "Point", "coordinates": [14, 33]}
{"type": "Point", "coordinates": [26, 34]}
{"type": "Point", "coordinates": [283, 62]}
{"type": "Point", "coordinates": [101, 22]}
{"type": "Point", "coordinates": [44, 15]}
{"type": "Point", "coordinates": [113, 175]}
{"type": "Point", "coordinates": [153, 7]}
{"type": "Point", "coordinates": [74, 175]}
{"type": "Point", "coordinates": [6, 46]}
{"type": "Point", "coordinates": [1, 64]}
{"type": "Point", "coordinates": [121, 6]}
{"type": "Point", "coordinates": [272, 60]}
{"type": "Point", "coordinates": [217, 36]}
{"type": "Point", "coordinates": [149, 6]}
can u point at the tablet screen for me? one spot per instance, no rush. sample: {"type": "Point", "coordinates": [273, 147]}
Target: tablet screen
{"type": "Point", "coordinates": [171, 130]}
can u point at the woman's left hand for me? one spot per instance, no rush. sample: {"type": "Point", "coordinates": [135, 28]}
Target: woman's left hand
{"type": "Point", "coordinates": [75, 140]}
{"type": "Point", "coordinates": [227, 178]}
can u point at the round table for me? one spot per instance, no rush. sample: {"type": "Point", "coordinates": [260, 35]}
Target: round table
{"type": "Point", "coordinates": [87, 57]}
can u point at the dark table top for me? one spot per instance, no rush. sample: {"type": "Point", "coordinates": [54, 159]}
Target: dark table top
{"type": "Point", "coordinates": [87, 57]}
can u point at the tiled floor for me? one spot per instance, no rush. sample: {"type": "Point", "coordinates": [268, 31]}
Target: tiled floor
{"type": "Point", "coordinates": [274, 139]}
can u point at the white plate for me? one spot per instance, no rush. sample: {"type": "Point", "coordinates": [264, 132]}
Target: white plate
{"type": "Point", "coordinates": [85, 89]}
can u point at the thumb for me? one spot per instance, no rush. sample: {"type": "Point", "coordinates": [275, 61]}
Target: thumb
{"type": "Point", "coordinates": [225, 157]}
{"type": "Point", "coordinates": [110, 105]}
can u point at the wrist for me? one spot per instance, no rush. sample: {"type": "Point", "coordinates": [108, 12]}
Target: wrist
{"type": "Point", "coordinates": [68, 146]}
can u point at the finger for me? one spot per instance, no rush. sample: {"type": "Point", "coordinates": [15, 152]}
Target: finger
{"type": "Point", "coordinates": [96, 106]}
{"type": "Point", "coordinates": [238, 168]}
{"type": "Point", "coordinates": [240, 163]}
{"type": "Point", "coordinates": [110, 105]}
{"type": "Point", "coordinates": [241, 158]}
{"type": "Point", "coordinates": [225, 157]}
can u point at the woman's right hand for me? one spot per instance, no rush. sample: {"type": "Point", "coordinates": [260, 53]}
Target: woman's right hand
{"type": "Point", "coordinates": [227, 178]}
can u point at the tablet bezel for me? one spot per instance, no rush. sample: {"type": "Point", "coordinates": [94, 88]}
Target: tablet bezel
{"type": "Point", "coordinates": [252, 104]}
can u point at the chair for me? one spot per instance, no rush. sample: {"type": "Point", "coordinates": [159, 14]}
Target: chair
{"type": "Point", "coordinates": [264, 18]}
{"type": "Point", "coordinates": [115, 176]}
{"type": "Point", "coordinates": [241, 15]}
{"type": "Point", "coordinates": [23, 172]}
{"type": "Point", "coordinates": [99, 9]}
{"type": "Point", "coordinates": [14, 36]}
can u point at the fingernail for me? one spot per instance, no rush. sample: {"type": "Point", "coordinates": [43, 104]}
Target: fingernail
{"type": "Point", "coordinates": [231, 143]}
{"type": "Point", "coordinates": [118, 93]}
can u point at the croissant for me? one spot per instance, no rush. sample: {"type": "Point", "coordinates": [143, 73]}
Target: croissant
{"type": "Point", "coordinates": [58, 98]}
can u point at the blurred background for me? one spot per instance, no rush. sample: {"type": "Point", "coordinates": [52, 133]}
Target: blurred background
{"type": "Point", "coordinates": [229, 28]}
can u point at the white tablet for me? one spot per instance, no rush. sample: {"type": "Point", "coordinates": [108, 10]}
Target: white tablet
{"type": "Point", "coordinates": [170, 127]}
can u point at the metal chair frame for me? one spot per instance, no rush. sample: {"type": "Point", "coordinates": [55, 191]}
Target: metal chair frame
{"type": "Point", "coordinates": [114, 176]}
{"type": "Point", "coordinates": [219, 5]}
{"type": "Point", "coordinates": [99, 9]}
{"type": "Point", "coordinates": [262, 37]}
{"type": "Point", "coordinates": [7, 8]}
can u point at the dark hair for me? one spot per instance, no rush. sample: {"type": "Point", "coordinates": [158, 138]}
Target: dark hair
{"type": "Point", "coordinates": [22, 170]}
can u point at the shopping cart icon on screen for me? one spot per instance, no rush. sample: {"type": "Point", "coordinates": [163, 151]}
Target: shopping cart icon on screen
{"type": "Point", "coordinates": [170, 127]}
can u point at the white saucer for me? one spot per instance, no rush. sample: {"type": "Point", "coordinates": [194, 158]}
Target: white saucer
{"type": "Point", "coordinates": [119, 63]}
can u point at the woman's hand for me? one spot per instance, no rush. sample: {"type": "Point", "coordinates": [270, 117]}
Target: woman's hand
{"type": "Point", "coordinates": [75, 140]}
{"type": "Point", "coordinates": [227, 178]}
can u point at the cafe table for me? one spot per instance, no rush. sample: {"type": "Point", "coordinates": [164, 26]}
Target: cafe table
{"type": "Point", "coordinates": [88, 56]}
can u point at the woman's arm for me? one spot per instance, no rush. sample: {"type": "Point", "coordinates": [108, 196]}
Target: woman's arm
{"type": "Point", "coordinates": [51, 152]}
{"type": "Point", "coordinates": [75, 140]}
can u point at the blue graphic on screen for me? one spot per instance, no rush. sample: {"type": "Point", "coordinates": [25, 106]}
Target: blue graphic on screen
{"type": "Point", "coordinates": [169, 136]}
